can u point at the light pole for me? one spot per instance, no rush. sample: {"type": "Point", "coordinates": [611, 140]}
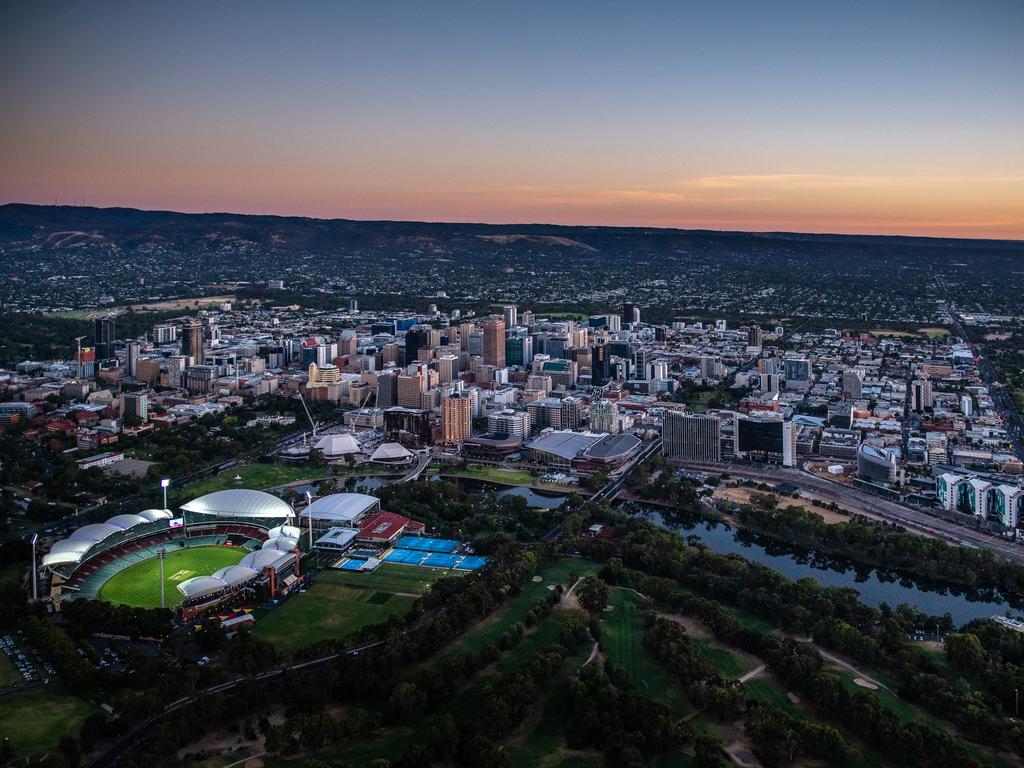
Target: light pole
{"type": "Point", "coordinates": [163, 484]}
{"type": "Point", "coordinates": [35, 587]}
{"type": "Point", "coordinates": [309, 515]}
{"type": "Point", "coordinates": [162, 602]}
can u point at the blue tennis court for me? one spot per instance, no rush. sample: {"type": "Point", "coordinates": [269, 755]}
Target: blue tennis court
{"type": "Point", "coordinates": [405, 556]}
{"type": "Point", "coordinates": [427, 544]}
{"type": "Point", "coordinates": [352, 565]}
{"type": "Point", "coordinates": [440, 560]}
{"type": "Point", "coordinates": [471, 563]}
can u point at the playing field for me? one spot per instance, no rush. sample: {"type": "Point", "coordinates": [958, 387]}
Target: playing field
{"type": "Point", "coordinates": [340, 604]}
{"type": "Point", "coordinates": [139, 584]}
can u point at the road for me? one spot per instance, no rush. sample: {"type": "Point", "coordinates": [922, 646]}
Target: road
{"type": "Point", "coordinates": [422, 462]}
{"type": "Point", "coordinates": [912, 519]}
{"type": "Point", "coordinates": [614, 485]}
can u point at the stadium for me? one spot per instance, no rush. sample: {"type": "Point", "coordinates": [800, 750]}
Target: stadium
{"type": "Point", "coordinates": [226, 546]}
{"type": "Point", "coordinates": [238, 546]}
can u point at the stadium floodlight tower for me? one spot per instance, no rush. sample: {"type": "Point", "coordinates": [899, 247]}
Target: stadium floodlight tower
{"type": "Point", "coordinates": [162, 601]}
{"type": "Point", "coordinates": [164, 482]}
{"type": "Point", "coordinates": [35, 569]}
{"type": "Point", "coordinates": [309, 514]}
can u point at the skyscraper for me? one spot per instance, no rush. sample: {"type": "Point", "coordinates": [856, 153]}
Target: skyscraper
{"type": "Point", "coordinates": [853, 382]}
{"type": "Point", "coordinates": [105, 335]}
{"type": "Point", "coordinates": [134, 348]}
{"type": "Point", "coordinates": [692, 437]}
{"type": "Point", "coordinates": [456, 417]}
{"type": "Point", "coordinates": [192, 342]}
{"type": "Point", "coordinates": [494, 342]}
{"type": "Point", "coordinates": [511, 313]}
{"type": "Point", "coordinates": [630, 314]}
{"type": "Point", "coordinates": [599, 365]}
{"type": "Point", "coordinates": [417, 340]}
{"type": "Point", "coordinates": [921, 395]}
{"type": "Point", "coordinates": [755, 336]}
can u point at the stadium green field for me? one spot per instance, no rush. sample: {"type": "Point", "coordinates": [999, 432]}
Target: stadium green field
{"type": "Point", "coordinates": [139, 585]}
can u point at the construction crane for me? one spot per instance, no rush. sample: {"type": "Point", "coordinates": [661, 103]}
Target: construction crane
{"type": "Point", "coordinates": [78, 352]}
{"type": "Point", "coordinates": [315, 424]}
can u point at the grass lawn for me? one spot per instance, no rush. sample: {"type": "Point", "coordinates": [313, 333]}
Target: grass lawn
{"type": "Point", "coordinates": [139, 585]}
{"type": "Point", "coordinates": [258, 476]}
{"type": "Point", "coordinates": [489, 474]}
{"type": "Point", "coordinates": [333, 609]}
{"type": "Point", "coordinates": [767, 690]}
{"type": "Point", "coordinates": [36, 720]}
{"type": "Point", "coordinates": [9, 674]}
{"type": "Point", "coordinates": [727, 663]}
{"type": "Point", "coordinates": [516, 607]}
{"type": "Point", "coordinates": [623, 629]}
{"type": "Point", "coordinates": [390, 577]}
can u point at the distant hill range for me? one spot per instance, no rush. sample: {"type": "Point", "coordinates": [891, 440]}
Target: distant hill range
{"type": "Point", "coordinates": [58, 227]}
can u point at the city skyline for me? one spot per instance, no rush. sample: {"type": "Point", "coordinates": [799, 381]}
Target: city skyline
{"type": "Point", "coordinates": [878, 120]}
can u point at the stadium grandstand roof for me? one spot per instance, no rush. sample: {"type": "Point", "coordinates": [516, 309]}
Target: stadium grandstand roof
{"type": "Point", "coordinates": [341, 507]}
{"type": "Point", "coordinates": [291, 531]}
{"type": "Point", "coordinates": [239, 502]}
{"type": "Point", "coordinates": [267, 558]}
{"type": "Point", "coordinates": [218, 581]}
{"type": "Point", "coordinates": [156, 514]}
{"type": "Point", "coordinates": [77, 545]}
{"type": "Point", "coordinates": [283, 543]}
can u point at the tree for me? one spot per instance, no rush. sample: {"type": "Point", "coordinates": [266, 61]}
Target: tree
{"type": "Point", "coordinates": [592, 593]}
{"type": "Point", "coordinates": [707, 751]}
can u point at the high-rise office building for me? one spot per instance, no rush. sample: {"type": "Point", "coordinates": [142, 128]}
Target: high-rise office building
{"type": "Point", "coordinates": [519, 351]}
{"type": "Point", "coordinates": [417, 342]}
{"type": "Point", "coordinates": [796, 370]}
{"type": "Point", "coordinates": [192, 342]}
{"type": "Point", "coordinates": [447, 368]}
{"type": "Point", "coordinates": [853, 383]}
{"type": "Point", "coordinates": [133, 350]}
{"type": "Point", "coordinates": [353, 306]}
{"type": "Point", "coordinates": [165, 333]}
{"type": "Point", "coordinates": [456, 417]}
{"type": "Point", "coordinates": [200, 379]}
{"type": "Point", "coordinates": [85, 358]}
{"type": "Point", "coordinates": [511, 314]}
{"type": "Point", "coordinates": [410, 385]}
{"type": "Point", "coordinates": [755, 336]}
{"type": "Point", "coordinates": [176, 365]}
{"type": "Point", "coordinates": [630, 314]}
{"type": "Point", "coordinates": [572, 413]}
{"type": "Point", "coordinates": [135, 407]}
{"type": "Point", "coordinates": [387, 389]}
{"type": "Point", "coordinates": [105, 335]}
{"type": "Point", "coordinates": [710, 367]}
{"type": "Point", "coordinates": [921, 395]}
{"type": "Point", "coordinates": [692, 437]}
{"type": "Point", "coordinates": [494, 342]}
{"type": "Point", "coordinates": [600, 365]}
{"type": "Point", "coordinates": [604, 416]}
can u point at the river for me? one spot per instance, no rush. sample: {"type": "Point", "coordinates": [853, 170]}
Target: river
{"type": "Point", "coordinates": [874, 587]}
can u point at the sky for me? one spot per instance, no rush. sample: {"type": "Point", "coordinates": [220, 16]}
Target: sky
{"type": "Point", "coordinates": [892, 117]}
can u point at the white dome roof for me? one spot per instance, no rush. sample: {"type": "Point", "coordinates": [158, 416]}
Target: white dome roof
{"type": "Point", "coordinates": [239, 502]}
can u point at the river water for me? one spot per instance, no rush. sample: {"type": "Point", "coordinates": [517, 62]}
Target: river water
{"type": "Point", "coordinates": [875, 587]}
